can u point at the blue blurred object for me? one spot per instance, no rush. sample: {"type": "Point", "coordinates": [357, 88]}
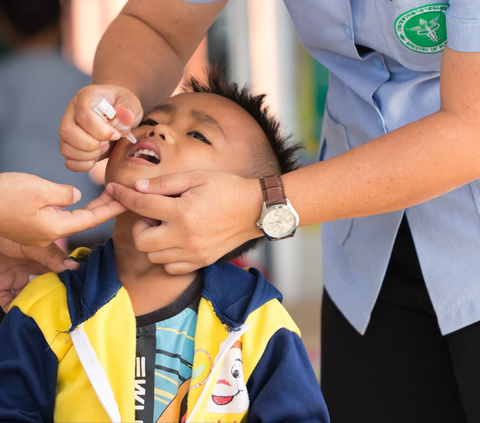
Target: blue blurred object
{"type": "Point", "coordinates": [36, 85]}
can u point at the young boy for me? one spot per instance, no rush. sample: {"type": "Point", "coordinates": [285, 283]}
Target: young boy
{"type": "Point", "coordinates": [122, 340]}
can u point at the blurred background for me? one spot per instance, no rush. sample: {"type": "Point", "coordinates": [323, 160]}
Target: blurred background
{"type": "Point", "coordinates": [46, 56]}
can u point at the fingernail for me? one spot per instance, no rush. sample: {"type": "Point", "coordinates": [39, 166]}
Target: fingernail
{"type": "Point", "coordinates": [143, 184]}
{"type": "Point", "coordinates": [71, 264]}
{"type": "Point", "coordinates": [76, 195]}
{"type": "Point", "coordinates": [109, 189]}
{"type": "Point", "coordinates": [115, 136]}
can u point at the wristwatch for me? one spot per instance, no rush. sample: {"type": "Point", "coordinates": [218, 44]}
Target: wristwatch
{"type": "Point", "coordinates": [279, 220]}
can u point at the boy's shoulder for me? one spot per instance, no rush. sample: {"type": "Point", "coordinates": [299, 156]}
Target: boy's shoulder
{"type": "Point", "coordinates": [42, 292]}
{"type": "Point", "coordinates": [244, 295]}
{"type": "Point", "coordinates": [46, 290]}
{"type": "Point", "coordinates": [44, 301]}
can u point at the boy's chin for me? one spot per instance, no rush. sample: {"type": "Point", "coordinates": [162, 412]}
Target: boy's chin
{"type": "Point", "coordinates": [128, 176]}
{"type": "Point", "coordinates": [127, 182]}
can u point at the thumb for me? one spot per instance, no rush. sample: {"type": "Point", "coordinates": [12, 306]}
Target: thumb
{"type": "Point", "coordinates": [52, 257]}
{"type": "Point", "coordinates": [61, 195]}
{"type": "Point", "coordinates": [129, 110]}
{"type": "Point", "coordinates": [170, 184]}
{"type": "Point", "coordinates": [127, 116]}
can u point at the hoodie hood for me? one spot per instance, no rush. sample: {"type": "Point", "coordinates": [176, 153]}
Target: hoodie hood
{"type": "Point", "coordinates": [233, 292]}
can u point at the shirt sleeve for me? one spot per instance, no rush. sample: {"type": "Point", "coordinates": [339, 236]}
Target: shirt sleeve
{"type": "Point", "coordinates": [28, 369]}
{"type": "Point", "coordinates": [283, 387]}
{"type": "Point", "coordinates": [463, 25]}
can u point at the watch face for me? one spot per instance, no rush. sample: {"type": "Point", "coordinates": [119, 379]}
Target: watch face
{"type": "Point", "coordinates": [280, 222]}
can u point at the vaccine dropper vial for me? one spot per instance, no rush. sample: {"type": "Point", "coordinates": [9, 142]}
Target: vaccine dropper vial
{"type": "Point", "coordinates": [105, 110]}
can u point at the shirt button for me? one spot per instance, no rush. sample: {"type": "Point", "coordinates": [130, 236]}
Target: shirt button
{"type": "Point", "coordinates": [377, 63]}
{"type": "Point", "coordinates": [348, 31]}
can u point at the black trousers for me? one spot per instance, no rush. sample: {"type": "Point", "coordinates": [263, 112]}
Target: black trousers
{"type": "Point", "coordinates": [402, 369]}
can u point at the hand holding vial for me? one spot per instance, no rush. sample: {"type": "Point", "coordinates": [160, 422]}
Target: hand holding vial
{"type": "Point", "coordinates": [84, 138]}
{"type": "Point", "coordinates": [105, 110]}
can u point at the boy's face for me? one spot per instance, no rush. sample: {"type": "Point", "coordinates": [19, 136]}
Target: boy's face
{"type": "Point", "coordinates": [187, 132]}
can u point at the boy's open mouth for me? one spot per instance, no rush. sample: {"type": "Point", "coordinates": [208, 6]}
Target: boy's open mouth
{"type": "Point", "coordinates": [144, 151]}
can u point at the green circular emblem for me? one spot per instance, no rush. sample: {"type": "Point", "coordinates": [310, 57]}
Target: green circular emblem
{"type": "Point", "coordinates": [423, 29]}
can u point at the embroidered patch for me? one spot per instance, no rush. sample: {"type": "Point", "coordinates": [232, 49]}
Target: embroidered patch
{"type": "Point", "coordinates": [423, 29]}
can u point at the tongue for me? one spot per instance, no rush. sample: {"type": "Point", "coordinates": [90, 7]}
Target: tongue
{"type": "Point", "coordinates": [149, 158]}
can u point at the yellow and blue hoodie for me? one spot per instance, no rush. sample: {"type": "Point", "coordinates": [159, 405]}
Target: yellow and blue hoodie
{"type": "Point", "coordinates": [67, 350]}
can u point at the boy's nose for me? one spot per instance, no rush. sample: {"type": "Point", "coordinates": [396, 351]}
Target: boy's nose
{"type": "Point", "coordinates": [151, 134]}
{"type": "Point", "coordinates": [161, 131]}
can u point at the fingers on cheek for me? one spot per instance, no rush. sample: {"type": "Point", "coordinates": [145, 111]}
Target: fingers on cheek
{"type": "Point", "coordinates": [147, 239]}
{"type": "Point", "coordinates": [164, 257]}
{"type": "Point", "coordinates": [170, 260]}
{"type": "Point", "coordinates": [180, 268]}
{"type": "Point", "coordinates": [156, 257]}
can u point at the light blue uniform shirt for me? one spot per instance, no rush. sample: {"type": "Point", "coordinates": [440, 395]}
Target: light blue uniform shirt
{"type": "Point", "coordinates": [391, 83]}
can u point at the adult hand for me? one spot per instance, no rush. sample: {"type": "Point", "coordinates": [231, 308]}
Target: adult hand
{"type": "Point", "coordinates": [210, 214]}
{"type": "Point", "coordinates": [31, 211]}
{"type": "Point", "coordinates": [17, 263]}
{"type": "Point", "coordinates": [84, 136]}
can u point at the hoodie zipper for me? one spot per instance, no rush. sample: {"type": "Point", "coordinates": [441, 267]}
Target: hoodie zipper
{"type": "Point", "coordinates": [95, 373]}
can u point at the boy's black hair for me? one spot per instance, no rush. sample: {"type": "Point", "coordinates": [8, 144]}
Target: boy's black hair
{"type": "Point", "coordinates": [278, 156]}
{"type": "Point", "coordinates": [29, 17]}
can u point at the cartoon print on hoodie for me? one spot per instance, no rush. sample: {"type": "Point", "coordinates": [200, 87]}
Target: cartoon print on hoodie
{"type": "Point", "coordinates": [230, 392]}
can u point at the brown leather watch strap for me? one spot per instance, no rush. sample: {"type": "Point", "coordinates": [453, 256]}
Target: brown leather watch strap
{"type": "Point", "coordinates": [272, 188]}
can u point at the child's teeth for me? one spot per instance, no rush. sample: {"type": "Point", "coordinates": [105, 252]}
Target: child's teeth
{"type": "Point", "coordinates": [147, 152]}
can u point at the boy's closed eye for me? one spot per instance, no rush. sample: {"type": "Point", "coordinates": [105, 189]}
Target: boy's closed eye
{"type": "Point", "coordinates": [195, 134]}
{"type": "Point", "coordinates": [148, 122]}
{"type": "Point", "coordinates": [199, 136]}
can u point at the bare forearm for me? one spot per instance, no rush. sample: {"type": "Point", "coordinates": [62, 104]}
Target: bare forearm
{"type": "Point", "coordinates": [147, 47]}
{"type": "Point", "coordinates": [130, 56]}
{"type": "Point", "coordinates": [408, 166]}
{"type": "Point", "coordinates": [405, 167]}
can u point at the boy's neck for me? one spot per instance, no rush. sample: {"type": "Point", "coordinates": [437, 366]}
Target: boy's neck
{"type": "Point", "coordinates": [149, 286]}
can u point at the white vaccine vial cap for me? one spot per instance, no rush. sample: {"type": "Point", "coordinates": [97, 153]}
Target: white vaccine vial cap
{"type": "Point", "coordinates": [106, 111]}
